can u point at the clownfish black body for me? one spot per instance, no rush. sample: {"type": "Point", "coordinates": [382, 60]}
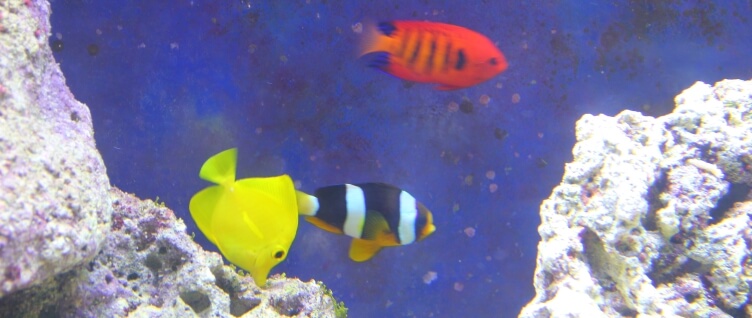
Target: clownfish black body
{"type": "Point", "coordinates": [375, 215]}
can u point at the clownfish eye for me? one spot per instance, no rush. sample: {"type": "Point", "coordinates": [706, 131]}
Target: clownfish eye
{"type": "Point", "coordinates": [493, 61]}
{"type": "Point", "coordinates": [279, 254]}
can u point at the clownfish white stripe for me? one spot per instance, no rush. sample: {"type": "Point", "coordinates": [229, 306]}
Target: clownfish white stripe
{"type": "Point", "coordinates": [355, 201]}
{"type": "Point", "coordinates": [408, 214]}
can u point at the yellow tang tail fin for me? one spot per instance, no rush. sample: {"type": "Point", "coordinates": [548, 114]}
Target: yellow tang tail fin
{"type": "Point", "coordinates": [220, 168]}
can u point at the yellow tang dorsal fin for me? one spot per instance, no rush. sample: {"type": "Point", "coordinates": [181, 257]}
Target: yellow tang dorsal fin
{"type": "Point", "coordinates": [220, 168]}
{"type": "Point", "coordinates": [363, 250]}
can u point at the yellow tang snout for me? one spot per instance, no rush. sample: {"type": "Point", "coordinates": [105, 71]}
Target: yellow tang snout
{"type": "Point", "coordinates": [252, 221]}
{"type": "Point", "coordinates": [257, 262]}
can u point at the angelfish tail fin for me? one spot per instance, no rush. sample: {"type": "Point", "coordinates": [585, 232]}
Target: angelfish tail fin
{"type": "Point", "coordinates": [373, 38]}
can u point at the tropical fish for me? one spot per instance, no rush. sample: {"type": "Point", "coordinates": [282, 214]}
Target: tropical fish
{"type": "Point", "coordinates": [252, 221]}
{"type": "Point", "coordinates": [429, 52]}
{"type": "Point", "coordinates": [374, 214]}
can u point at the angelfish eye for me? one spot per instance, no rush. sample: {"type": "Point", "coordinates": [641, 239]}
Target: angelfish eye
{"type": "Point", "coordinates": [493, 61]}
{"type": "Point", "coordinates": [279, 254]}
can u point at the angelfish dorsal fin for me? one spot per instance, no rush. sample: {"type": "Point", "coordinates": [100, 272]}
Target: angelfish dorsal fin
{"type": "Point", "coordinates": [363, 250]}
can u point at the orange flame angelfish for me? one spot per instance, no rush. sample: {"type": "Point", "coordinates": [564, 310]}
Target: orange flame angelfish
{"type": "Point", "coordinates": [429, 52]}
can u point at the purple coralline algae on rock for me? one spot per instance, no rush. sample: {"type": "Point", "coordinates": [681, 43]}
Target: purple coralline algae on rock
{"type": "Point", "coordinates": [54, 202]}
{"type": "Point", "coordinates": [71, 245]}
{"type": "Point", "coordinates": [150, 267]}
{"type": "Point", "coordinates": [654, 215]}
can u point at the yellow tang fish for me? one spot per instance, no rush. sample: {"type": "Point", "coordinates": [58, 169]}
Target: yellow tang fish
{"type": "Point", "coordinates": [252, 221]}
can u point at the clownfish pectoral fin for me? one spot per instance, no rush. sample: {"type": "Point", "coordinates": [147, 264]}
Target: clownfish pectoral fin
{"type": "Point", "coordinates": [375, 228]}
{"type": "Point", "coordinates": [363, 250]}
{"type": "Point", "coordinates": [323, 225]}
{"type": "Point", "coordinates": [220, 168]}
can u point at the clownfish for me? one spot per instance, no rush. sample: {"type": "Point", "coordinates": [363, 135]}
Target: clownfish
{"type": "Point", "coordinates": [252, 221]}
{"type": "Point", "coordinates": [429, 52]}
{"type": "Point", "coordinates": [375, 215]}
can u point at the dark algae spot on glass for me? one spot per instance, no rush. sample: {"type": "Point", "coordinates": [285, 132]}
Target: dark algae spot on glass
{"type": "Point", "coordinates": [500, 134]}
{"type": "Point", "coordinates": [92, 49]}
{"type": "Point", "coordinates": [56, 45]}
{"type": "Point", "coordinates": [466, 106]}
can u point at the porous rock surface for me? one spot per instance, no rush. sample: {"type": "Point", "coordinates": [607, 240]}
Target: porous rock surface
{"type": "Point", "coordinates": [72, 246]}
{"type": "Point", "coordinates": [150, 267]}
{"type": "Point", "coordinates": [54, 202]}
{"type": "Point", "coordinates": [653, 218]}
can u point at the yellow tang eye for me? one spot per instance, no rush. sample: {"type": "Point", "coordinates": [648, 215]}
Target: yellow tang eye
{"type": "Point", "coordinates": [279, 254]}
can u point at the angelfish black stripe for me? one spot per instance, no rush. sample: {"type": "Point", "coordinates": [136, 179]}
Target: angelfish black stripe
{"type": "Point", "coordinates": [416, 51]}
{"type": "Point", "coordinates": [431, 53]}
{"type": "Point", "coordinates": [405, 40]}
{"type": "Point", "coordinates": [461, 60]}
{"type": "Point", "coordinates": [447, 56]}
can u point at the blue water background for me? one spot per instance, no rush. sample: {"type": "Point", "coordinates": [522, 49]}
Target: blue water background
{"type": "Point", "coordinates": [174, 82]}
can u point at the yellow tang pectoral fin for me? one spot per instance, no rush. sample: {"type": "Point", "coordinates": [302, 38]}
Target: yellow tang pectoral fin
{"type": "Point", "coordinates": [220, 168]}
{"type": "Point", "coordinates": [363, 250]}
